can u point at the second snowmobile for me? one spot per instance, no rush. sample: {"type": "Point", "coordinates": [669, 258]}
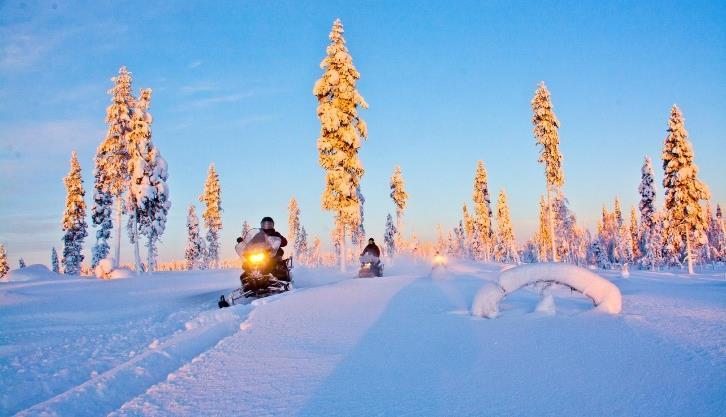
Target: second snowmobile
{"type": "Point", "coordinates": [263, 273]}
{"type": "Point", "coordinates": [370, 266]}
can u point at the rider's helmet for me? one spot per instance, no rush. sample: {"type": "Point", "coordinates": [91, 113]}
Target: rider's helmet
{"type": "Point", "coordinates": [370, 241]}
{"type": "Point", "coordinates": [267, 223]}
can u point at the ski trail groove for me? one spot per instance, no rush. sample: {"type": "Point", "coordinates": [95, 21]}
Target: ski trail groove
{"type": "Point", "coordinates": [107, 391]}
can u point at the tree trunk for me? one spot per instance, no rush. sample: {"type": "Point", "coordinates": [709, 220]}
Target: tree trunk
{"type": "Point", "coordinates": [137, 256]}
{"type": "Point", "coordinates": [117, 249]}
{"type": "Point", "coordinates": [551, 222]}
{"type": "Point", "coordinates": [150, 261]}
{"type": "Point", "coordinates": [343, 252]}
{"type": "Point", "coordinates": [689, 255]}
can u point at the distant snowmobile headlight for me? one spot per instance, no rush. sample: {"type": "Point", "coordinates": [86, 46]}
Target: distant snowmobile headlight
{"type": "Point", "coordinates": [256, 258]}
{"type": "Point", "coordinates": [438, 259]}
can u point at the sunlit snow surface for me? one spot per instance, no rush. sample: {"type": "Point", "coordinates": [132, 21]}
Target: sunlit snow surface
{"type": "Point", "coordinates": [404, 344]}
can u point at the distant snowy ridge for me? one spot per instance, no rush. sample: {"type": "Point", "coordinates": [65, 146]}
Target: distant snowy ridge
{"type": "Point", "coordinates": [604, 294]}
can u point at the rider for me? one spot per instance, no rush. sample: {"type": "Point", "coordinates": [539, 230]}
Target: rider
{"type": "Point", "coordinates": [268, 226]}
{"type": "Point", "coordinates": [372, 249]}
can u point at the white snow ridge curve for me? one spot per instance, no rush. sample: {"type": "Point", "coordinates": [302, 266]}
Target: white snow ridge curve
{"type": "Point", "coordinates": [603, 293]}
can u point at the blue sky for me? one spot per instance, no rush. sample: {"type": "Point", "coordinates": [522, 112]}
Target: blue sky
{"type": "Point", "coordinates": [448, 83]}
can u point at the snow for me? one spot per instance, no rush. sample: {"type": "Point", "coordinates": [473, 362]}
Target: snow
{"type": "Point", "coordinates": [605, 295]}
{"type": "Point", "coordinates": [404, 344]}
{"type": "Point", "coordinates": [31, 273]}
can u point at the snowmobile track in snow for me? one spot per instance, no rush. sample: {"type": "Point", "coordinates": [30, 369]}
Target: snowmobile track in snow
{"type": "Point", "coordinates": [105, 392]}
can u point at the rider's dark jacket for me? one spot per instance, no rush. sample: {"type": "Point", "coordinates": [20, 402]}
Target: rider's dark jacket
{"type": "Point", "coordinates": [372, 249]}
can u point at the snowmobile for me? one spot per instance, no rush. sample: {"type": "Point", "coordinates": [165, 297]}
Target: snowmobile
{"type": "Point", "coordinates": [439, 262]}
{"type": "Point", "coordinates": [263, 273]}
{"type": "Point", "coordinates": [370, 266]}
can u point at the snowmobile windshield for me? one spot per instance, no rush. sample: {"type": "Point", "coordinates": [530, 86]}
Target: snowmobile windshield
{"type": "Point", "coordinates": [256, 239]}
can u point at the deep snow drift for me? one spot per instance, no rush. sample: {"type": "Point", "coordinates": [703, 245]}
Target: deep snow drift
{"type": "Point", "coordinates": [404, 344]}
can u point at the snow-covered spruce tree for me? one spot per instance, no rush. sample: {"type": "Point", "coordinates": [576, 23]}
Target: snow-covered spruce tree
{"type": "Point", "coordinates": [414, 244]}
{"type": "Point", "coordinates": [55, 266]}
{"type": "Point", "coordinates": [358, 234]}
{"type": "Point", "coordinates": [685, 220]}
{"type": "Point", "coordinates": [565, 229]}
{"type": "Point", "coordinates": [653, 251]}
{"type": "Point", "coordinates": [74, 219]}
{"type": "Point", "coordinates": [634, 234]}
{"type": "Point", "coordinates": [245, 228]}
{"type": "Point", "coordinates": [101, 218]}
{"type": "Point", "coordinates": [314, 258]}
{"type": "Point", "coordinates": [148, 200]}
{"type": "Point", "coordinates": [212, 215]}
{"type": "Point", "coordinates": [506, 250]}
{"type": "Point", "coordinates": [469, 231]}
{"type": "Point", "coordinates": [194, 251]}
{"type": "Point", "coordinates": [716, 234]}
{"type": "Point", "coordinates": [112, 157]}
{"type": "Point", "coordinates": [4, 267]}
{"type": "Point", "coordinates": [543, 238]}
{"type": "Point", "coordinates": [618, 212]}
{"type": "Point", "coordinates": [341, 134]}
{"type": "Point", "coordinates": [301, 246]}
{"type": "Point", "coordinates": [460, 240]}
{"type": "Point", "coordinates": [546, 134]}
{"type": "Point", "coordinates": [646, 189]}
{"type": "Point", "coordinates": [389, 237]}
{"type": "Point", "coordinates": [21, 263]}
{"type": "Point", "coordinates": [399, 197]}
{"type": "Point", "coordinates": [293, 224]}
{"type": "Point", "coordinates": [483, 212]}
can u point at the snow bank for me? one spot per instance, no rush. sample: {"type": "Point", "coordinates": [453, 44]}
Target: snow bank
{"type": "Point", "coordinates": [31, 273]}
{"type": "Point", "coordinates": [604, 294]}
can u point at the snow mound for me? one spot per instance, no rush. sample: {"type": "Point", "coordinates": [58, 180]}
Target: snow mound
{"type": "Point", "coordinates": [105, 270]}
{"type": "Point", "coordinates": [604, 294]}
{"type": "Point", "coordinates": [547, 306]}
{"type": "Point", "coordinates": [31, 273]}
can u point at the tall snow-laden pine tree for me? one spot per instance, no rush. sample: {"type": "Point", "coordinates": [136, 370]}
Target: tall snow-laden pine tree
{"type": "Point", "coordinates": [112, 157]}
{"type": "Point", "coordinates": [618, 212]}
{"type": "Point", "coordinates": [685, 221]}
{"type": "Point", "coordinates": [4, 267]}
{"type": "Point", "coordinates": [634, 234]}
{"type": "Point", "coordinates": [148, 200]}
{"type": "Point", "coordinates": [301, 245]}
{"type": "Point", "coordinates": [653, 250]}
{"type": "Point", "coordinates": [399, 197]}
{"type": "Point", "coordinates": [646, 204]}
{"type": "Point", "coordinates": [358, 234]}
{"type": "Point", "coordinates": [101, 217]}
{"type": "Point", "coordinates": [506, 250]}
{"type": "Point", "coordinates": [212, 199]}
{"type": "Point", "coordinates": [341, 135]}
{"type": "Point", "coordinates": [716, 234]}
{"type": "Point", "coordinates": [483, 212]}
{"type": "Point", "coordinates": [546, 134]}
{"type": "Point", "coordinates": [55, 266]}
{"type": "Point", "coordinates": [543, 238]}
{"type": "Point", "coordinates": [314, 258]}
{"type": "Point", "coordinates": [389, 237]}
{"type": "Point", "coordinates": [293, 223]}
{"type": "Point", "coordinates": [194, 251]}
{"type": "Point", "coordinates": [245, 228]}
{"type": "Point", "coordinates": [469, 230]}
{"type": "Point", "coordinates": [74, 219]}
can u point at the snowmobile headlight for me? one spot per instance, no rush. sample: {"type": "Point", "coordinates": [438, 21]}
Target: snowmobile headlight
{"type": "Point", "coordinates": [439, 259]}
{"type": "Point", "coordinates": [256, 258]}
